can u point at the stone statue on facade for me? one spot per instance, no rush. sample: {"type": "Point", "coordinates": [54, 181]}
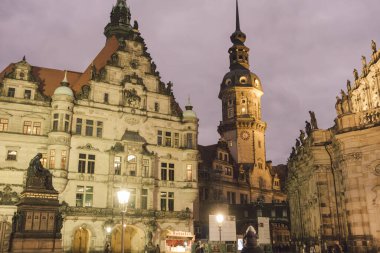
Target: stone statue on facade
{"type": "Point", "coordinates": [313, 120]}
{"type": "Point", "coordinates": [298, 144]}
{"type": "Point", "coordinates": [308, 128]}
{"type": "Point", "coordinates": [348, 86]}
{"type": "Point", "coordinates": [250, 242]}
{"type": "Point", "coordinates": [373, 46]}
{"type": "Point", "coordinates": [356, 75]}
{"type": "Point", "coordinates": [302, 137]}
{"type": "Point", "coordinates": [338, 106]}
{"type": "Point", "coordinates": [38, 176]}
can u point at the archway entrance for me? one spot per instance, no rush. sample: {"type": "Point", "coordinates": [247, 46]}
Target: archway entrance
{"type": "Point", "coordinates": [81, 240]}
{"type": "Point", "coordinates": [134, 240]}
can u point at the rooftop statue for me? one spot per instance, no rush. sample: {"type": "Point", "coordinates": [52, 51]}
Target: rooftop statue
{"type": "Point", "coordinates": [308, 128]}
{"type": "Point", "coordinates": [313, 120]}
{"type": "Point", "coordinates": [373, 46]}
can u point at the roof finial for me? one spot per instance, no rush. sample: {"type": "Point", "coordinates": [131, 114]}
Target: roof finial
{"type": "Point", "coordinates": [188, 106]}
{"type": "Point", "coordinates": [237, 17]}
{"type": "Point", "coordinates": [24, 58]}
{"type": "Point", "coordinates": [65, 82]}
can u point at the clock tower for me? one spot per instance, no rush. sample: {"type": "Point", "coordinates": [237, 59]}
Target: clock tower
{"type": "Point", "coordinates": [240, 92]}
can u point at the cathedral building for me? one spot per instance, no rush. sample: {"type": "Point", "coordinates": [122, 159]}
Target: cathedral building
{"type": "Point", "coordinates": [334, 174]}
{"type": "Point", "coordinates": [235, 170]}
{"type": "Point", "coordinates": [114, 126]}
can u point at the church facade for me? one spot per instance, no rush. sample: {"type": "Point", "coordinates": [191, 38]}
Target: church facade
{"type": "Point", "coordinates": [234, 174]}
{"type": "Point", "coordinates": [114, 126]}
{"type": "Point", "coordinates": [334, 174]}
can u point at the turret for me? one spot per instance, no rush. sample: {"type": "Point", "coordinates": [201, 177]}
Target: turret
{"type": "Point", "coordinates": [120, 20]}
{"type": "Point", "coordinates": [60, 133]}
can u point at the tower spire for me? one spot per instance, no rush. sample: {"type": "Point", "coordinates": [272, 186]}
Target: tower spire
{"type": "Point", "coordinates": [237, 16]}
{"type": "Point", "coordinates": [120, 23]}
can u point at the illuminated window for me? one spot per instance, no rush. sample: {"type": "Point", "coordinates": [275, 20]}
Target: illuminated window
{"type": "Point", "coordinates": [189, 172]}
{"type": "Point", "coordinates": [117, 165]}
{"type": "Point", "coordinates": [12, 155]}
{"type": "Point", "coordinates": [44, 160]}
{"type": "Point", "coordinates": [228, 171]}
{"type": "Point", "coordinates": [37, 128]}
{"type": "Point", "coordinates": [132, 165]}
{"type": "Point", "coordinates": [52, 159]}
{"type": "Point", "coordinates": [84, 196]}
{"type": "Point", "coordinates": [27, 127]}
{"type": "Point", "coordinates": [63, 159]}
{"type": "Point", "coordinates": [4, 125]}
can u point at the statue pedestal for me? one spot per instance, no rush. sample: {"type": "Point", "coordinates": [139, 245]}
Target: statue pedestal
{"type": "Point", "coordinates": [37, 223]}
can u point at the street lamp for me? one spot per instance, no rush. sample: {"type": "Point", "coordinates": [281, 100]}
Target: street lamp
{"type": "Point", "coordinates": [123, 197]}
{"type": "Point", "coordinates": [108, 242]}
{"type": "Point", "coordinates": [220, 219]}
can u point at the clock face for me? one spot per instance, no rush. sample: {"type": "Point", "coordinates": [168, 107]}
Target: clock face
{"type": "Point", "coordinates": [244, 135]}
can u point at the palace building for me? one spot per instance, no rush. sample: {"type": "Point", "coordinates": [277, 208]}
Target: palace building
{"type": "Point", "coordinates": [115, 125]}
{"type": "Point", "coordinates": [234, 175]}
{"type": "Point", "coordinates": [334, 174]}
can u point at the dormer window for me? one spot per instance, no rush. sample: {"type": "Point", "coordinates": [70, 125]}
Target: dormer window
{"type": "Point", "coordinates": [11, 92]}
{"type": "Point", "coordinates": [27, 94]}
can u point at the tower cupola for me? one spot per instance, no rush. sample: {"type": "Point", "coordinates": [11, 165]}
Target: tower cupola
{"type": "Point", "coordinates": [120, 23]}
{"type": "Point", "coordinates": [64, 88]}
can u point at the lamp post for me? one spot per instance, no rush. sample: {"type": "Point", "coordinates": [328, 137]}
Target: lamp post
{"type": "Point", "coordinates": [108, 241]}
{"type": "Point", "coordinates": [123, 197]}
{"type": "Point", "coordinates": [220, 219]}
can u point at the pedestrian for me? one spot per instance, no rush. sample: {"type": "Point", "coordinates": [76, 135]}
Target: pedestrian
{"type": "Point", "coordinates": [157, 248]}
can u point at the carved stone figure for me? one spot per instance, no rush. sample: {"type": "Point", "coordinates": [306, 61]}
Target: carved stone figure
{"type": "Point", "coordinates": [356, 75]}
{"type": "Point", "coordinates": [348, 86]}
{"type": "Point", "coordinates": [345, 102]}
{"type": "Point", "coordinates": [38, 176]}
{"type": "Point", "coordinates": [132, 98]}
{"type": "Point", "coordinates": [153, 67]}
{"type": "Point", "coordinates": [135, 25]}
{"type": "Point", "coordinates": [93, 72]}
{"type": "Point", "coordinates": [169, 88]}
{"type": "Point", "coordinates": [250, 239]}
{"type": "Point", "coordinates": [373, 46]}
{"type": "Point", "coordinates": [298, 144]}
{"type": "Point", "coordinates": [293, 154]}
{"type": "Point", "coordinates": [302, 137]}
{"type": "Point", "coordinates": [308, 128]}
{"type": "Point", "coordinates": [313, 120]}
{"type": "Point", "coordinates": [338, 106]}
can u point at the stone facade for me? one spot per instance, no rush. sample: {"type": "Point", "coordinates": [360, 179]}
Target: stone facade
{"type": "Point", "coordinates": [334, 174]}
{"type": "Point", "coordinates": [116, 125]}
{"type": "Point", "coordinates": [234, 173]}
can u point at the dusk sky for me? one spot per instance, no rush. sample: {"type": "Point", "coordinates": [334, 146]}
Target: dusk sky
{"type": "Point", "coordinates": [303, 50]}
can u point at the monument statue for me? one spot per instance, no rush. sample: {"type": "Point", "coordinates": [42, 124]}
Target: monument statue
{"type": "Point", "coordinates": [38, 176]}
{"type": "Point", "coordinates": [250, 242]}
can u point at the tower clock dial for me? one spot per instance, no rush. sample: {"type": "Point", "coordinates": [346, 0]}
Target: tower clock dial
{"type": "Point", "coordinates": [244, 135]}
